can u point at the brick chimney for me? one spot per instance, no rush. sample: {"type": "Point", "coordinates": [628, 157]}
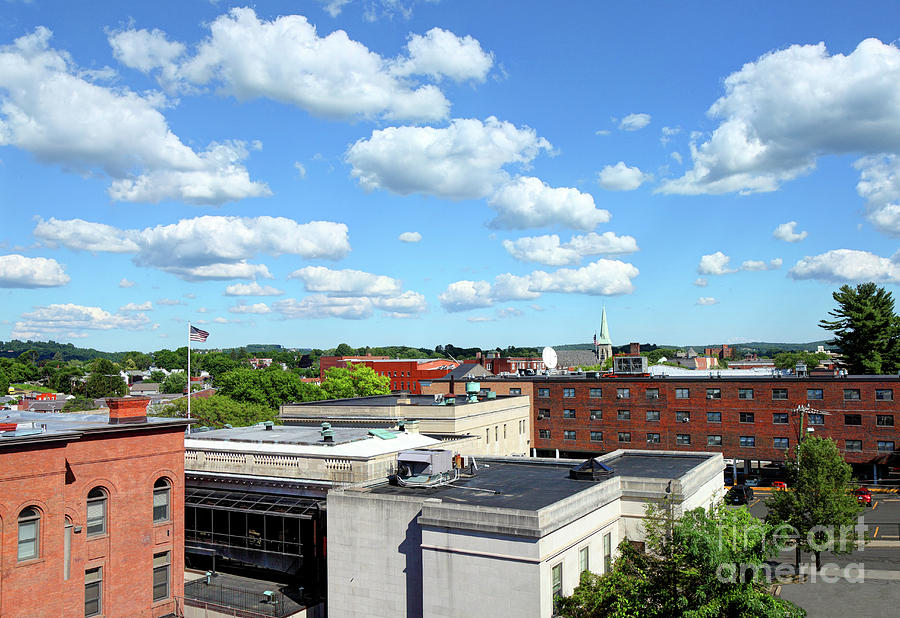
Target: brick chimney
{"type": "Point", "coordinates": [634, 349]}
{"type": "Point", "coordinates": [127, 409]}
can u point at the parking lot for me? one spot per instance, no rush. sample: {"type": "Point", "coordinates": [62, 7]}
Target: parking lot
{"type": "Point", "coordinates": [864, 582]}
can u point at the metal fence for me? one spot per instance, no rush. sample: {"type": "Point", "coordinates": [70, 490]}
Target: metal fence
{"type": "Point", "coordinates": [234, 601]}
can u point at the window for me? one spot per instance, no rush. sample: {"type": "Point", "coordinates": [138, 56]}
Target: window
{"type": "Point", "coordinates": [623, 415]}
{"type": "Point", "coordinates": [496, 433]}
{"type": "Point", "coordinates": [487, 435]}
{"type": "Point", "coordinates": [682, 393]}
{"type": "Point", "coordinates": [543, 413]}
{"type": "Point", "coordinates": [782, 443]}
{"type": "Point", "coordinates": [515, 391]}
{"type": "Point", "coordinates": [568, 413]}
{"type": "Point", "coordinates": [96, 512]}
{"type": "Point", "coordinates": [748, 441]}
{"type": "Point", "coordinates": [652, 438]}
{"type": "Point", "coordinates": [568, 393]}
{"type": "Point", "coordinates": [596, 393]}
{"type": "Point", "coordinates": [884, 420]}
{"type": "Point", "coordinates": [714, 393]}
{"type": "Point", "coordinates": [885, 446]}
{"type": "Point", "coordinates": [556, 576]}
{"type": "Point", "coordinates": [851, 394]}
{"type": "Point", "coordinates": [583, 560]}
{"type": "Point", "coordinates": [682, 416]}
{"type": "Point", "coordinates": [884, 394]}
{"type": "Point", "coordinates": [93, 591]}
{"type": "Point", "coordinates": [652, 393]}
{"type": "Point", "coordinates": [596, 415]}
{"type": "Point", "coordinates": [161, 576]}
{"type": "Point", "coordinates": [853, 419]}
{"type": "Point", "coordinates": [747, 417]}
{"type": "Point", "coordinates": [683, 439]}
{"type": "Point", "coordinates": [814, 393]}
{"type": "Point", "coordinates": [622, 393]}
{"type": "Point", "coordinates": [713, 417]}
{"type": "Point", "coordinates": [596, 436]}
{"type": "Point", "coordinates": [568, 434]}
{"type": "Point", "coordinates": [29, 533]}
{"type": "Point", "coordinates": [652, 415]}
{"type": "Point", "coordinates": [815, 419]}
{"type": "Point", "coordinates": [67, 547]}
{"type": "Point", "coordinates": [713, 440]}
{"type": "Point", "coordinates": [504, 431]}
{"type": "Point", "coordinates": [779, 394]}
{"type": "Point", "coordinates": [745, 393]}
{"type": "Point", "coordinates": [624, 436]}
{"type": "Point", "coordinates": [543, 392]}
{"type": "Point", "coordinates": [544, 434]}
{"type": "Point", "coordinates": [780, 418]}
{"type": "Point", "coordinates": [853, 445]}
{"type": "Point", "coordinates": [607, 551]}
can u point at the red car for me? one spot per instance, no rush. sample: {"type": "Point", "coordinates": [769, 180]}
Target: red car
{"type": "Point", "coordinates": [863, 495]}
{"type": "Point", "coordinates": [779, 484]}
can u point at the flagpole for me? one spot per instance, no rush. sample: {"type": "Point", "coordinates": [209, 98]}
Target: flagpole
{"type": "Point", "coordinates": [189, 375]}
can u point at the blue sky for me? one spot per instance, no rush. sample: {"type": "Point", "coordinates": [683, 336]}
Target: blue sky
{"type": "Point", "coordinates": [427, 172]}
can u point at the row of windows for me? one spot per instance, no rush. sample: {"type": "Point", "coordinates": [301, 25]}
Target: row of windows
{"type": "Point", "coordinates": [684, 439]}
{"type": "Point", "coordinates": [93, 584]}
{"type": "Point", "coordinates": [584, 565]}
{"type": "Point", "coordinates": [29, 520]}
{"type": "Point", "coordinates": [684, 416]}
{"type": "Point", "coordinates": [778, 394]}
{"type": "Point", "coordinates": [487, 432]}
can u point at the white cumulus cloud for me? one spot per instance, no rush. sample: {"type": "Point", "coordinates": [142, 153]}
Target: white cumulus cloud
{"type": "Point", "coordinates": [346, 282]}
{"type": "Point", "coordinates": [285, 59]}
{"type": "Point", "coordinates": [528, 202]}
{"type": "Point", "coordinates": [18, 271]}
{"type": "Point", "coordinates": [126, 283]}
{"type": "Point", "coordinates": [118, 132]}
{"type": "Point", "coordinates": [773, 110]}
{"type": "Point", "coordinates": [409, 237]}
{"type": "Point", "coordinates": [634, 122]}
{"type": "Point", "coordinates": [759, 265]}
{"type": "Point", "coordinates": [787, 232]}
{"type": "Point", "coordinates": [464, 160]}
{"type": "Point", "coordinates": [256, 308]}
{"type": "Point", "coordinates": [209, 247]}
{"type": "Point", "coordinates": [707, 300]}
{"type": "Point", "coordinates": [252, 289]}
{"type": "Point", "coordinates": [64, 319]}
{"type": "Point", "coordinates": [620, 177]}
{"type": "Point", "coordinates": [847, 265]}
{"type": "Point", "coordinates": [602, 277]}
{"type": "Point", "coordinates": [715, 264]}
{"type": "Point", "coordinates": [144, 306]}
{"type": "Point", "coordinates": [550, 251]}
{"type": "Point", "coordinates": [701, 282]}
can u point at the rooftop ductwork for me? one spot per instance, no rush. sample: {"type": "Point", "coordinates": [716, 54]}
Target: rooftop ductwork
{"type": "Point", "coordinates": [590, 470]}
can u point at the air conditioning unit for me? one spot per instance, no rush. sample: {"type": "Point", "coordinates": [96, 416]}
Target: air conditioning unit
{"type": "Point", "coordinates": [710, 396]}
{"type": "Point", "coordinates": [620, 396]}
{"type": "Point", "coordinates": [652, 396]}
{"type": "Point", "coordinates": [685, 420]}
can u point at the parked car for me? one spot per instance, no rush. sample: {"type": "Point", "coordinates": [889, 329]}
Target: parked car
{"type": "Point", "coordinates": [739, 494]}
{"type": "Point", "coordinates": [863, 495]}
{"type": "Point", "coordinates": [752, 481]}
{"type": "Point", "coordinates": [779, 484]}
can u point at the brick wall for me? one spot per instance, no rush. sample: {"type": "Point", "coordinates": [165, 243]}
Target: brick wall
{"type": "Point", "coordinates": [56, 478]}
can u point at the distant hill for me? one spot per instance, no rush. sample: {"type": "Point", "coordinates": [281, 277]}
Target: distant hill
{"type": "Point", "coordinates": [763, 348]}
{"type": "Point", "coordinates": [48, 349]}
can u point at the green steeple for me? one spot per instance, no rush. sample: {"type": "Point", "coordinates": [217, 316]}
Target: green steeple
{"type": "Point", "coordinates": [604, 339]}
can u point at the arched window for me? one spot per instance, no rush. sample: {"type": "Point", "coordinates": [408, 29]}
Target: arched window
{"type": "Point", "coordinates": [29, 533]}
{"type": "Point", "coordinates": [96, 512]}
{"type": "Point", "coordinates": [162, 494]}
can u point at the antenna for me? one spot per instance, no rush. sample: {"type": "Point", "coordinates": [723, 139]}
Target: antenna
{"type": "Point", "coordinates": [549, 357]}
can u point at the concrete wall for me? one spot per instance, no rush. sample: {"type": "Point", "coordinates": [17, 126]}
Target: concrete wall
{"type": "Point", "coordinates": [374, 556]}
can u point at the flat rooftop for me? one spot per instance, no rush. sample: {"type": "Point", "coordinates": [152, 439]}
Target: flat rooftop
{"type": "Point", "coordinates": [287, 434]}
{"type": "Point", "coordinates": [673, 374]}
{"type": "Point", "coordinates": [42, 425]}
{"type": "Point", "coordinates": [532, 485]}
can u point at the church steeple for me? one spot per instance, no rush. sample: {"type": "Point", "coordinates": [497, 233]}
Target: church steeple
{"type": "Point", "coordinates": [603, 343]}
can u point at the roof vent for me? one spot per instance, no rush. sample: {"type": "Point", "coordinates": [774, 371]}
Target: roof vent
{"type": "Point", "coordinates": [327, 432]}
{"type": "Point", "coordinates": [590, 470]}
{"type": "Point", "coordinates": [268, 425]}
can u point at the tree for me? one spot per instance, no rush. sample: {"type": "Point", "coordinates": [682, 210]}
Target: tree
{"type": "Point", "coordinates": [820, 503]}
{"type": "Point", "coordinates": [219, 410]}
{"type": "Point", "coordinates": [789, 360]}
{"type": "Point", "coordinates": [268, 388]}
{"type": "Point", "coordinates": [104, 381]}
{"type": "Point", "coordinates": [866, 329]}
{"type": "Point", "coordinates": [344, 350]}
{"type": "Point", "coordinates": [354, 381]}
{"type": "Point", "coordinates": [706, 564]}
{"type": "Point", "coordinates": [79, 404]}
{"type": "Point", "coordinates": [157, 376]}
{"type": "Point", "coordinates": [175, 382]}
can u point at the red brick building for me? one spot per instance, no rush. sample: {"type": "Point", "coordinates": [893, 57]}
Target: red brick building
{"type": "Point", "coordinates": [748, 418]}
{"type": "Point", "coordinates": [496, 364]}
{"type": "Point", "coordinates": [91, 513]}
{"type": "Point", "coordinates": [405, 373]}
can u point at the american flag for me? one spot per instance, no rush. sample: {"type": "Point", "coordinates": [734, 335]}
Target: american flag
{"type": "Point", "coordinates": [197, 334]}
{"type": "Point", "coordinates": [595, 337]}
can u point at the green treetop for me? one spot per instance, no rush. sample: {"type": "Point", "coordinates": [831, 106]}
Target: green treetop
{"type": "Point", "coordinates": [354, 381]}
{"type": "Point", "coordinates": [866, 329]}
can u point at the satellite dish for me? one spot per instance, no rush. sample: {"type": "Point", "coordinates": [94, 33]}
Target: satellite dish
{"type": "Point", "coordinates": [549, 357]}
